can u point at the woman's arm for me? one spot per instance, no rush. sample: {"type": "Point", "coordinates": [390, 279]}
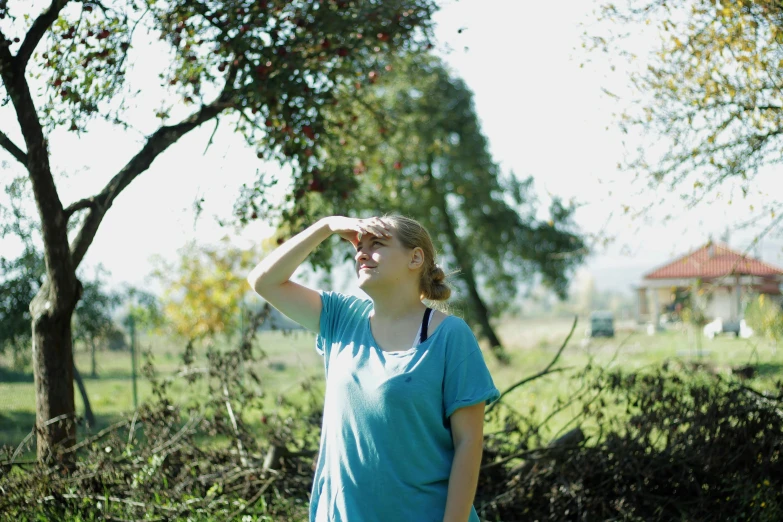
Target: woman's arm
{"type": "Point", "coordinates": [270, 278]}
{"type": "Point", "coordinates": [467, 428]}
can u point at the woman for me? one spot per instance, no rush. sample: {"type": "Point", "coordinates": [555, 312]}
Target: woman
{"type": "Point", "coordinates": [406, 386]}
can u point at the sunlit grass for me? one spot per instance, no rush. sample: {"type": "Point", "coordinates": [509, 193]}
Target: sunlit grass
{"type": "Point", "coordinates": [291, 363]}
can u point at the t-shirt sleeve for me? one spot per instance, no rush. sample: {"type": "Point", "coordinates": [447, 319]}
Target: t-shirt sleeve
{"type": "Point", "coordinates": [467, 379]}
{"type": "Point", "coordinates": [334, 307]}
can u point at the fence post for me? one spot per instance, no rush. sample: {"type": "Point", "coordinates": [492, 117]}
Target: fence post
{"type": "Point", "coordinates": [133, 361]}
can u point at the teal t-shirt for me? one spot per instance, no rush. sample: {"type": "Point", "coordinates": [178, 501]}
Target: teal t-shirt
{"type": "Point", "coordinates": [386, 448]}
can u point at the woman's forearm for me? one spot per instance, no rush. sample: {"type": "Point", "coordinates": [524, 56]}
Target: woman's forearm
{"type": "Point", "coordinates": [279, 266]}
{"type": "Point", "coordinates": [463, 480]}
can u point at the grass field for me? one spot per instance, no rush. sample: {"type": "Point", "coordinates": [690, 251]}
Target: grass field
{"type": "Point", "coordinates": [292, 360]}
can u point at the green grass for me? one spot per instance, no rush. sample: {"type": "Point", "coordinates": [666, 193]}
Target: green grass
{"type": "Point", "coordinates": [533, 343]}
{"type": "Point", "coordinates": [291, 360]}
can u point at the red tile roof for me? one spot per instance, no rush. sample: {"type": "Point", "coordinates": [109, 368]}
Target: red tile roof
{"type": "Point", "coordinates": [713, 260]}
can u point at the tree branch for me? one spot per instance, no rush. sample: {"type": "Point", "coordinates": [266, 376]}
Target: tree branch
{"type": "Point", "coordinates": [543, 372]}
{"type": "Point", "coordinates": [79, 205]}
{"type": "Point", "coordinates": [158, 142]}
{"type": "Point", "coordinates": [61, 279]}
{"type": "Point", "coordinates": [11, 147]}
{"type": "Point", "coordinates": [37, 30]}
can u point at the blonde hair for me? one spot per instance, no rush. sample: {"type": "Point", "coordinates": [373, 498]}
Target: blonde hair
{"type": "Point", "coordinates": [411, 234]}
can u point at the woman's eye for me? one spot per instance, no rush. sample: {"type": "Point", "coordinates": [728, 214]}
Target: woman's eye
{"type": "Point", "coordinates": [377, 243]}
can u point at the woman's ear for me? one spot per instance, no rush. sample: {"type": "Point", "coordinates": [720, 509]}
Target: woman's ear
{"type": "Point", "coordinates": [417, 259]}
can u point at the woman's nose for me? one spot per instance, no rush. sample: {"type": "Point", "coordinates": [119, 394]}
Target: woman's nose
{"type": "Point", "coordinates": [360, 255]}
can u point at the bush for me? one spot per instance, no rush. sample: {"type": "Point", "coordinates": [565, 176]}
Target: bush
{"type": "Point", "coordinates": [765, 316]}
{"type": "Point", "coordinates": [672, 443]}
{"type": "Point", "coordinates": [690, 446]}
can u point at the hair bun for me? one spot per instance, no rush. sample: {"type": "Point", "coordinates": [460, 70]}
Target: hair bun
{"type": "Point", "coordinates": [437, 274]}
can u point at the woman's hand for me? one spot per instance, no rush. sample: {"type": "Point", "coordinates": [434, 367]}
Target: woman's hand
{"type": "Point", "coordinates": [352, 229]}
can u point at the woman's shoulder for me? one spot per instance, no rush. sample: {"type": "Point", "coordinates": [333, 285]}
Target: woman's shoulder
{"type": "Point", "coordinates": [344, 304]}
{"type": "Point", "coordinates": [449, 324]}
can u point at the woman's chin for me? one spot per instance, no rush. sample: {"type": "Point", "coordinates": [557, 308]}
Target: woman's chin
{"type": "Point", "coordinates": [365, 281]}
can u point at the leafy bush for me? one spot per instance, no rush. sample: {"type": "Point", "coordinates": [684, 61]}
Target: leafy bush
{"type": "Point", "coordinates": [691, 445]}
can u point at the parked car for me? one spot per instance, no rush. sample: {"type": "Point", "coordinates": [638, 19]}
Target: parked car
{"type": "Point", "coordinates": [601, 324]}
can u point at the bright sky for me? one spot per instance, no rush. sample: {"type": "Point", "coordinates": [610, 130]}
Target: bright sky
{"type": "Point", "coordinates": [544, 116]}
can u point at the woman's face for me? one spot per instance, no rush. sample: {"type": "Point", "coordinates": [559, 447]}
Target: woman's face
{"type": "Point", "coordinates": [382, 261]}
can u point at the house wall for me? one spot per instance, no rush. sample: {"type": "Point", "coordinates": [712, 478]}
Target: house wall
{"type": "Point", "coordinates": [722, 304]}
{"type": "Point", "coordinates": [726, 301]}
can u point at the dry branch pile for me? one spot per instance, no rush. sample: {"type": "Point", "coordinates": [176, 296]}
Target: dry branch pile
{"type": "Point", "coordinates": [674, 443]}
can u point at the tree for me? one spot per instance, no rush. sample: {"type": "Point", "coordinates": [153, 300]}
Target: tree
{"type": "Point", "coordinates": [709, 94]}
{"type": "Point", "coordinates": [92, 317]}
{"type": "Point", "coordinates": [93, 321]}
{"type": "Point", "coordinates": [422, 153]}
{"type": "Point", "coordinates": [203, 291]}
{"type": "Point", "coordinates": [272, 66]}
{"type": "Point", "coordinates": [765, 316]}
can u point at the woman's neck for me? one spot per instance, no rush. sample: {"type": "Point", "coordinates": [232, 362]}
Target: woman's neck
{"type": "Point", "coordinates": [396, 307]}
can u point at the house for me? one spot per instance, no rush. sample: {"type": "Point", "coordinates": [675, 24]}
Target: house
{"type": "Point", "coordinates": [724, 279]}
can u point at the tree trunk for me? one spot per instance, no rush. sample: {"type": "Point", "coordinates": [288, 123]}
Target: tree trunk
{"type": "Point", "coordinates": [86, 400]}
{"type": "Point", "coordinates": [466, 266]}
{"type": "Point", "coordinates": [53, 372]}
{"type": "Point", "coordinates": [94, 372]}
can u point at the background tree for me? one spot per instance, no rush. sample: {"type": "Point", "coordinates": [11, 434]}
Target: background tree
{"type": "Point", "coordinates": [204, 290]}
{"type": "Point", "coordinates": [271, 66]}
{"type": "Point", "coordinates": [708, 96]}
{"type": "Point", "coordinates": [421, 152]}
{"type": "Point", "coordinates": [93, 322]}
{"type": "Point", "coordinates": [765, 316]}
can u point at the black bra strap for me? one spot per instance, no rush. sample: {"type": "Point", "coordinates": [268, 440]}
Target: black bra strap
{"type": "Point", "coordinates": [425, 322]}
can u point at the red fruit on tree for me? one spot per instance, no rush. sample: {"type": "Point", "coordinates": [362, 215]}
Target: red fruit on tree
{"type": "Point", "coordinates": [308, 131]}
{"type": "Point", "coordinates": [342, 51]}
{"type": "Point", "coordinates": [384, 37]}
{"type": "Point", "coordinates": [397, 165]}
{"type": "Point", "coordinates": [103, 34]}
{"type": "Point", "coordinates": [253, 216]}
